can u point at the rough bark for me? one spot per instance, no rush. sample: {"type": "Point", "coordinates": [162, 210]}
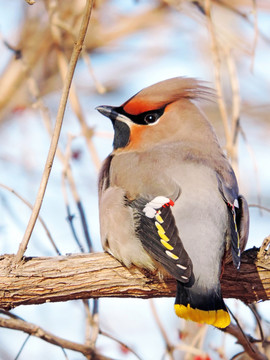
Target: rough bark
{"type": "Point", "coordinates": [50, 279]}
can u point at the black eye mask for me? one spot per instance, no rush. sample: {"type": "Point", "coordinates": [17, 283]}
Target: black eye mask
{"type": "Point", "coordinates": [145, 118]}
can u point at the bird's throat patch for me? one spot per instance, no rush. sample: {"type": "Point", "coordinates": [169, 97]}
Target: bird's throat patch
{"type": "Point", "coordinates": [121, 134]}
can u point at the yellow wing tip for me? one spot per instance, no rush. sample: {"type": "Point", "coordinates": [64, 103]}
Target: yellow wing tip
{"type": "Point", "coordinates": [219, 318]}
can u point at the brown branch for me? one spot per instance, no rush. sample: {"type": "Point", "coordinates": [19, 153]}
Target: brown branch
{"type": "Point", "coordinates": [57, 129]}
{"type": "Point", "coordinates": [246, 341]}
{"type": "Point", "coordinates": [34, 330]}
{"type": "Point", "coordinates": [82, 276]}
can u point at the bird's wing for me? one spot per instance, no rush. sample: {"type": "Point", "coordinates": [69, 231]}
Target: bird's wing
{"type": "Point", "coordinates": [156, 228]}
{"type": "Point", "coordinates": [238, 220]}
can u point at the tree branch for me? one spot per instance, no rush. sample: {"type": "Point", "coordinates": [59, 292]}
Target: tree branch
{"type": "Point", "coordinates": [82, 276]}
{"type": "Point", "coordinates": [247, 341]}
{"type": "Point", "coordinates": [34, 330]}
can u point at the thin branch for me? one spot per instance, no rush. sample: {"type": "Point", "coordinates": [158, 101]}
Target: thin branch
{"type": "Point", "coordinates": [59, 120]}
{"type": "Point", "coordinates": [259, 207]}
{"type": "Point", "coordinates": [256, 33]}
{"type": "Point", "coordinates": [27, 203]}
{"type": "Point", "coordinates": [104, 333]}
{"type": "Point", "coordinates": [195, 341]}
{"type": "Point", "coordinates": [250, 348]}
{"type": "Point", "coordinates": [34, 330]}
{"type": "Point", "coordinates": [254, 162]}
{"type": "Point", "coordinates": [169, 346]}
{"type": "Point", "coordinates": [70, 218]}
{"type": "Point", "coordinates": [258, 320]}
{"type": "Point", "coordinates": [217, 70]}
{"type": "Point", "coordinates": [67, 174]}
{"type": "Point", "coordinates": [87, 131]}
{"type": "Point", "coordinates": [243, 336]}
{"type": "Point", "coordinates": [22, 347]}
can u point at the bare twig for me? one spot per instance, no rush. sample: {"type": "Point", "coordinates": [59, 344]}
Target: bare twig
{"type": "Point", "coordinates": [256, 33]}
{"type": "Point", "coordinates": [104, 333]}
{"type": "Point", "coordinates": [258, 320]}
{"type": "Point", "coordinates": [259, 207]}
{"type": "Point", "coordinates": [39, 217]}
{"type": "Point", "coordinates": [254, 162]}
{"type": "Point", "coordinates": [190, 349]}
{"type": "Point", "coordinates": [195, 341]}
{"type": "Point", "coordinates": [250, 348]}
{"type": "Point", "coordinates": [34, 330]}
{"type": "Point", "coordinates": [169, 346]}
{"type": "Point", "coordinates": [67, 174]}
{"type": "Point", "coordinates": [22, 347]}
{"type": "Point", "coordinates": [59, 120]}
{"type": "Point", "coordinates": [87, 131]}
{"type": "Point", "coordinates": [70, 216]}
{"type": "Point", "coordinates": [217, 65]}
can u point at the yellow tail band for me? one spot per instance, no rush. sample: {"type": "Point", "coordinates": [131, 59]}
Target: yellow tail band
{"type": "Point", "coordinates": [219, 318]}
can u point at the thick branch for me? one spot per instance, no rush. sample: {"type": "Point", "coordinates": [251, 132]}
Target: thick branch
{"type": "Point", "coordinates": [62, 278]}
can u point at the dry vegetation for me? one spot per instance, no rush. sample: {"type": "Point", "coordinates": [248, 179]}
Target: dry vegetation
{"type": "Point", "coordinates": [54, 36]}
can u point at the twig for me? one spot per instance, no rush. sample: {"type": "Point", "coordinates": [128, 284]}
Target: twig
{"type": "Point", "coordinates": [57, 129]}
{"type": "Point", "coordinates": [70, 217]}
{"type": "Point", "coordinates": [251, 349]}
{"type": "Point", "coordinates": [85, 226]}
{"type": "Point", "coordinates": [95, 317]}
{"type": "Point", "coordinates": [169, 346]}
{"type": "Point", "coordinates": [217, 63]}
{"type": "Point", "coordinates": [55, 20]}
{"type": "Point", "coordinates": [190, 349]}
{"type": "Point", "coordinates": [34, 330]}
{"type": "Point", "coordinates": [67, 174]}
{"type": "Point", "coordinates": [258, 320]}
{"type": "Point", "coordinates": [74, 99]}
{"type": "Point", "coordinates": [92, 320]}
{"type": "Point", "coordinates": [100, 88]}
{"type": "Point", "coordinates": [254, 162]}
{"type": "Point", "coordinates": [104, 333]}
{"type": "Point", "coordinates": [88, 322]}
{"type": "Point", "coordinates": [39, 217]}
{"type": "Point", "coordinates": [259, 207]}
{"type": "Point", "coordinates": [235, 95]}
{"type": "Point", "coordinates": [236, 355]}
{"type": "Point", "coordinates": [241, 331]}
{"type": "Point", "coordinates": [256, 33]}
{"type": "Point", "coordinates": [196, 338]}
{"type": "Point", "coordinates": [22, 347]}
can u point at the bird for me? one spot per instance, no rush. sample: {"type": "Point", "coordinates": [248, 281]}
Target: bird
{"type": "Point", "coordinates": [168, 197]}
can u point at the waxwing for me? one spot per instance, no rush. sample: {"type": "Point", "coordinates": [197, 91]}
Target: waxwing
{"type": "Point", "coordinates": [168, 197]}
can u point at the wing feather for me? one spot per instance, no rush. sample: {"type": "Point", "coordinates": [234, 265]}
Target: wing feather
{"type": "Point", "coordinates": [238, 219]}
{"type": "Point", "coordinates": [160, 238]}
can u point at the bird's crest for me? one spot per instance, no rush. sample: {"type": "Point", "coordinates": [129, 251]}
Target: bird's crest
{"type": "Point", "coordinates": [165, 92]}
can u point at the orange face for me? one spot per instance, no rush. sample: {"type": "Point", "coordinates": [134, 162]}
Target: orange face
{"type": "Point", "coordinates": [137, 106]}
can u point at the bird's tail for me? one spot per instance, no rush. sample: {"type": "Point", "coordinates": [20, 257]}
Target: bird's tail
{"type": "Point", "coordinates": [205, 306]}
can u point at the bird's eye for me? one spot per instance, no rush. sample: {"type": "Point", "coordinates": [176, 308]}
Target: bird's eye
{"type": "Point", "coordinates": [151, 118]}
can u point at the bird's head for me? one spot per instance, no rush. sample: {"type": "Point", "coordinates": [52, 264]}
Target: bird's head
{"type": "Point", "coordinates": [160, 113]}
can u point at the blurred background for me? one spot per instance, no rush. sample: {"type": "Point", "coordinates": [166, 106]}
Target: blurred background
{"type": "Point", "coordinates": [129, 45]}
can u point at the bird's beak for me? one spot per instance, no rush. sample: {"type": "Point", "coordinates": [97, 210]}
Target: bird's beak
{"type": "Point", "coordinates": [120, 126]}
{"type": "Point", "coordinates": [108, 111]}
